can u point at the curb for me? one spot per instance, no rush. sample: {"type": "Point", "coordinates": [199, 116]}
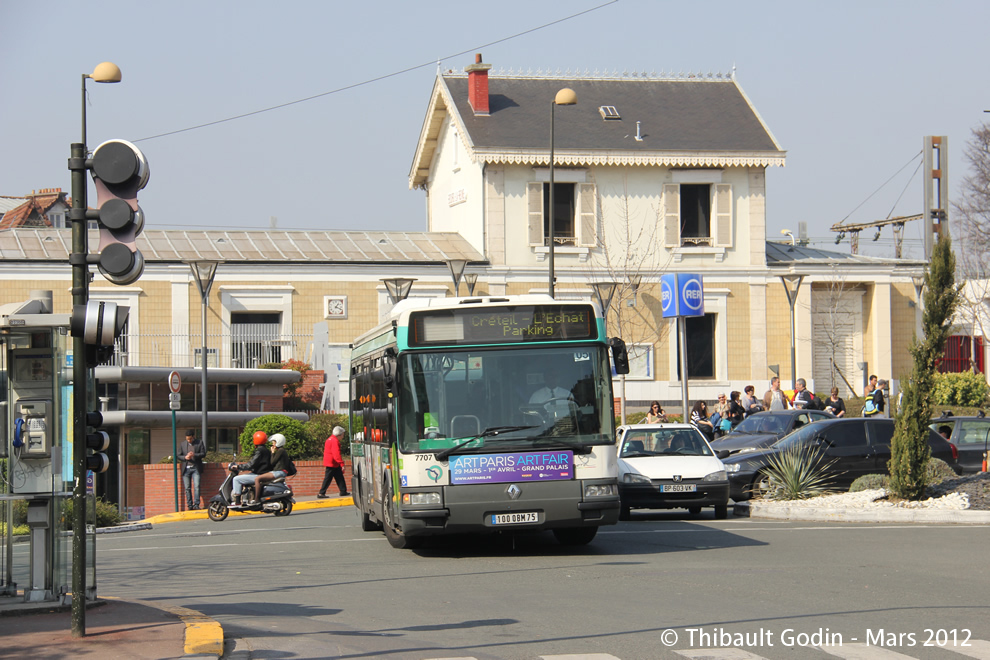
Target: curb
{"type": "Point", "coordinates": [200, 514]}
{"type": "Point", "coordinates": [847, 514]}
{"type": "Point", "coordinates": [204, 636]}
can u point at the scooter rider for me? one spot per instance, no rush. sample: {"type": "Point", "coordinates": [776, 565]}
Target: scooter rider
{"type": "Point", "coordinates": [280, 465]}
{"type": "Point", "coordinates": [260, 463]}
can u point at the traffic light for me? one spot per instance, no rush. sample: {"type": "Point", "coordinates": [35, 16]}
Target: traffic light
{"type": "Point", "coordinates": [120, 170]}
{"type": "Point", "coordinates": [98, 441]}
{"type": "Point", "coordinates": [99, 324]}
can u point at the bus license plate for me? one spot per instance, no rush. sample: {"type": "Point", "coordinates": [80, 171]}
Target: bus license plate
{"type": "Point", "coordinates": [678, 488]}
{"type": "Point", "coordinates": [514, 518]}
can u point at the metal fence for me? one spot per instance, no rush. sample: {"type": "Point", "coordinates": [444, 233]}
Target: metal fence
{"type": "Point", "coordinates": [236, 346]}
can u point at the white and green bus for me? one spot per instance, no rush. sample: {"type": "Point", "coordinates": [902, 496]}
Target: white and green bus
{"type": "Point", "coordinates": [484, 415]}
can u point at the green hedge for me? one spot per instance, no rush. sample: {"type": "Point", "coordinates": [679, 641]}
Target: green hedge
{"type": "Point", "coordinates": [320, 426]}
{"type": "Point", "coordinates": [298, 443]}
{"type": "Point", "coordinates": [962, 389]}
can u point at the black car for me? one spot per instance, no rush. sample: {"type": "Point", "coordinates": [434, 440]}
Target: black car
{"type": "Point", "coordinates": [763, 429]}
{"type": "Point", "coordinates": [856, 446]}
{"type": "Point", "coordinates": [970, 435]}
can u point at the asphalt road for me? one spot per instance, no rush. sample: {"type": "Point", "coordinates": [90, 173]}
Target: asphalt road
{"type": "Point", "coordinates": [312, 585]}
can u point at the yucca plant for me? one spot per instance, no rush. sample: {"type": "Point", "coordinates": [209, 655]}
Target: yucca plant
{"type": "Point", "coordinates": [799, 473]}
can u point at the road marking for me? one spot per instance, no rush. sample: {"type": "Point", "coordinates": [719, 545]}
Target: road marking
{"type": "Point", "coordinates": [729, 653]}
{"type": "Point", "coordinates": [978, 648]}
{"type": "Point", "coordinates": [580, 656]}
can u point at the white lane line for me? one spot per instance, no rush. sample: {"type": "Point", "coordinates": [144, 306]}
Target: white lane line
{"type": "Point", "coordinates": [580, 656]}
{"type": "Point", "coordinates": [728, 653]}
{"type": "Point", "coordinates": [863, 652]}
{"type": "Point", "coordinates": [978, 648]}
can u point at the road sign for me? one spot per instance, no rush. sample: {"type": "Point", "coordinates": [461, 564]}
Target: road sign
{"type": "Point", "coordinates": [174, 382]}
{"type": "Point", "coordinates": [682, 294]}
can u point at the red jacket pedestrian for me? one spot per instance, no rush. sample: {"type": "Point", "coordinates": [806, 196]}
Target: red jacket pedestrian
{"type": "Point", "coordinates": [333, 464]}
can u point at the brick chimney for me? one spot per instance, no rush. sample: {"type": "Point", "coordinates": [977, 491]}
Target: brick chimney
{"type": "Point", "coordinates": [478, 85]}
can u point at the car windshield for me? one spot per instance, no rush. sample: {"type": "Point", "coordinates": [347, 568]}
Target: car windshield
{"type": "Point", "coordinates": [663, 442]}
{"type": "Point", "coordinates": [801, 438]}
{"type": "Point", "coordinates": [770, 423]}
{"type": "Point", "coordinates": [504, 399]}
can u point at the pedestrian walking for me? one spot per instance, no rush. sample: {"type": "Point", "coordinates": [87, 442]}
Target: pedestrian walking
{"type": "Point", "coordinates": [192, 452]}
{"type": "Point", "coordinates": [333, 464]}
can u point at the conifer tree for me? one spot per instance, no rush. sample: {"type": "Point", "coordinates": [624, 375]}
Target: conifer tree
{"type": "Point", "coordinates": [909, 447]}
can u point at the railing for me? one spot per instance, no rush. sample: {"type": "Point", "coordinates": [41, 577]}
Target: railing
{"type": "Point", "coordinates": [560, 240]}
{"type": "Point", "coordinates": [237, 346]}
{"type": "Point", "coordinates": [696, 240]}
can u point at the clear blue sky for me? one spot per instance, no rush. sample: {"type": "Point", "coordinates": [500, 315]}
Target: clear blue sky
{"type": "Point", "coordinates": [848, 88]}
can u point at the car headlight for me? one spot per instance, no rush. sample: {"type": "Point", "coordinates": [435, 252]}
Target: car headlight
{"type": "Point", "coordinates": [633, 478]}
{"type": "Point", "coordinates": [420, 499]}
{"type": "Point", "coordinates": [601, 490]}
{"type": "Point", "coordinates": [716, 476]}
{"type": "Point", "coordinates": [732, 468]}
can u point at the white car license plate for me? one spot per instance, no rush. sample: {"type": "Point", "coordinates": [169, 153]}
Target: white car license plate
{"type": "Point", "coordinates": [678, 488]}
{"type": "Point", "coordinates": [514, 518]}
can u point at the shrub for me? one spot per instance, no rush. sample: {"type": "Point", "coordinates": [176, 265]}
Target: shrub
{"type": "Point", "coordinates": [107, 514]}
{"type": "Point", "coordinates": [961, 389]}
{"type": "Point", "coordinates": [937, 471]}
{"type": "Point", "coordinates": [297, 441]}
{"type": "Point", "coordinates": [632, 418]}
{"type": "Point", "coordinates": [799, 473]}
{"type": "Point", "coordinates": [319, 427]}
{"type": "Point", "coordinates": [869, 482]}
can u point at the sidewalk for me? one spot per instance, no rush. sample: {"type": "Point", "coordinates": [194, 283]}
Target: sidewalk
{"type": "Point", "coordinates": [119, 628]}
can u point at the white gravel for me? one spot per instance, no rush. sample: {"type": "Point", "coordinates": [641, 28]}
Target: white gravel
{"type": "Point", "coordinates": [872, 499]}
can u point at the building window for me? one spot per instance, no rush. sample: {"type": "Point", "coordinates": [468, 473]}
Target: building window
{"type": "Point", "coordinates": [255, 338]}
{"type": "Point", "coordinates": [700, 332]}
{"type": "Point", "coordinates": [576, 218]}
{"type": "Point", "coordinates": [697, 214]}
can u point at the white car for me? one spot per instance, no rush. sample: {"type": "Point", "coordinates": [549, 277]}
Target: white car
{"type": "Point", "coordinates": [667, 466]}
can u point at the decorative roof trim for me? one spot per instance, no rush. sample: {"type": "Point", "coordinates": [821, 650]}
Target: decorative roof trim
{"type": "Point", "coordinates": [612, 158]}
{"type": "Point", "coordinates": [615, 74]}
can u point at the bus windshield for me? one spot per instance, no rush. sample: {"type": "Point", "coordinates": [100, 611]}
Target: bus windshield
{"type": "Point", "coordinates": [504, 399]}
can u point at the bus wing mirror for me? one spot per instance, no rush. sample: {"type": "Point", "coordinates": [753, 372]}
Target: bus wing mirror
{"type": "Point", "coordinates": [620, 357]}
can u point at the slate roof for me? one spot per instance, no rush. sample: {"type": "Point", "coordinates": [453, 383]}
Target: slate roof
{"type": "Point", "coordinates": [687, 122]}
{"type": "Point", "coordinates": [357, 247]}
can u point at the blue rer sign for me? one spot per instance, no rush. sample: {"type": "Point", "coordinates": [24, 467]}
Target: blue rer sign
{"type": "Point", "coordinates": [682, 294]}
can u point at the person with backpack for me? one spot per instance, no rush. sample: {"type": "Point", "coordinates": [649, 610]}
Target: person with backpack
{"type": "Point", "coordinates": [282, 465]}
{"type": "Point", "coordinates": [875, 403]}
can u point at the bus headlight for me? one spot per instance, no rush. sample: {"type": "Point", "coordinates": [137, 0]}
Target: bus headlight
{"type": "Point", "coordinates": [716, 476]}
{"type": "Point", "coordinates": [421, 499]}
{"type": "Point", "coordinates": [601, 490]}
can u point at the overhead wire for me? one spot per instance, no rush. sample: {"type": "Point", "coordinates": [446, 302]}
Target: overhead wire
{"type": "Point", "coordinates": [882, 186]}
{"type": "Point", "coordinates": [378, 78]}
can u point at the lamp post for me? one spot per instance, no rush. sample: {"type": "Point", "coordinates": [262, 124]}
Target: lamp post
{"type": "Point", "coordinates": [566, 96]}
{"type": "Point", "coordinates": [106, 72]}
{"type": "Point", "coordinates": [792, 283]}
{"type": "Point", "coordinates": [470, 280]}
{"type": "Point", "coordinates": [398, 287]}
{"type": "Point", "coordinates": [204, 272]}
{"type": "Point", "coordinates": [456, 267]}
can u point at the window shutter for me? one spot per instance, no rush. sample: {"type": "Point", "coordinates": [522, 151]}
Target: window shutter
{"type": "Point", "coordinates": [723, 215]}
{"type": "Point", "coordinates": [587, 229]}
{"type": "Point", "coordinates": [535, 195]}
{"type": "Point", "coordinates": [672, 215]}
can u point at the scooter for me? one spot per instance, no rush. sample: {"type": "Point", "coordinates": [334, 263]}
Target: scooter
{"type": "Point", "coordinates": [276, 497]}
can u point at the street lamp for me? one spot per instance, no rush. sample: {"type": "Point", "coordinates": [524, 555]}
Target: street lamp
{"type": "Point", "coordinates": [398, 288]}
{"type": "Point", "coordinates": [788, 232]}
{"type": "Point", "coordinates": [470, 279]}
{"type": "Point", "coordinates": [456, 267]}
{"type": "Point", "coordinates": [204, 272]}
{"type": "Point", "coordinates": [105, 72]}
{"type": "Point", "coordinates": [792, 283]}
{"type": "Point", "coordinates": [566, 96]}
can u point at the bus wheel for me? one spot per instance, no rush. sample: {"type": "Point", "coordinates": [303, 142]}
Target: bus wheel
{"type": "Point", "coordinates": [575, 535]}
{"type": "Point", "coordinates": [395, 537]}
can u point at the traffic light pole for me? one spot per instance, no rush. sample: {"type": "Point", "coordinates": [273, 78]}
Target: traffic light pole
{"type": "Point", "coordinates": [80, 377]}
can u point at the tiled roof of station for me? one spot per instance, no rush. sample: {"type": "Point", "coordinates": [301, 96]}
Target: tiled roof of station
{"type": "Point", "coordinates": [250, 246]}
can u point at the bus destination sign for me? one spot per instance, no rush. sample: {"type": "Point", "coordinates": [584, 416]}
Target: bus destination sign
{"type": "Point", "coordinates": [498, 325]}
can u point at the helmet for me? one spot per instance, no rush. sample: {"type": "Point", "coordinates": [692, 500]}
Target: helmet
{"type": "Point", "coordinates": [260, 437]}
{"type": "Point", "coordinates": [278, 439]}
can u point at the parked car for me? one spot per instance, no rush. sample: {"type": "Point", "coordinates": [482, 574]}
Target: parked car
{"type": "Point", "coordinates": [667, 466]}
{"type": "Point", "coordinates": [970, 435]}
{"type": "Point", "coordinates": [763, 429]}
{"type": "Point", "coordinates": [855, 446]}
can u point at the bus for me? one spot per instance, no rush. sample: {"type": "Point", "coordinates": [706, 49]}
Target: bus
{"type": "Point", "coordinates": [483, 415]}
